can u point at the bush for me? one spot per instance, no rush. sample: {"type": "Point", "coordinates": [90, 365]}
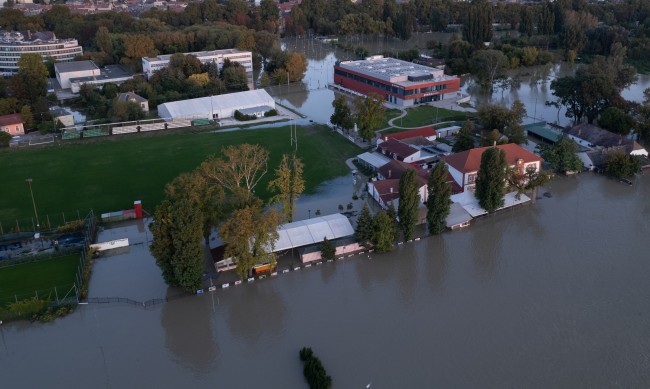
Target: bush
{"type": "Point", "coordinates": [242, 117]}
{"type": "Point", "coordinates": [72, 226]}
{"type": "Point", "coordinates": [28, 308]}
{"type": "Point", "coordinates": [4, 139]}
{"type": "Point", "coordinates": [272, 112]}
{"type": "Point", "coordinates": [350, 206]}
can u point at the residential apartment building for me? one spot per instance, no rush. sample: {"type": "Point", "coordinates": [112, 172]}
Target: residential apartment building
{"type": "Point", "coordinates": [399, 82]}
{"type": "Point", "coordinates": [245, 58]}
{"type": "Point", "coordinates": [15, 43]}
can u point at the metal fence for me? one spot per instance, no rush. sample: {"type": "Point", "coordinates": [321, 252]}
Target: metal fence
{"type": "Point", "coordinates": [48, 223]}
{"type": "Point", "coordinates": [123, 300]}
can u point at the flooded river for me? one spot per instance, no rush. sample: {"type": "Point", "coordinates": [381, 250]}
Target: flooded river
{"type": "Point", "coordinates": [553, 294]}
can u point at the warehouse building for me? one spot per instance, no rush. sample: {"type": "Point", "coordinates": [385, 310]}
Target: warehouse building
{"type": "Point", "coordinates": [399, 82]}
{"type": "Point", "coordinates": [254, 102]}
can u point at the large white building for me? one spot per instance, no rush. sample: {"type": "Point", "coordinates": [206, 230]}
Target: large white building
{"type": "Point", "coordinates": [72, 75]}
{"type": "Point", "coordinates": [245, 58]}
{"type": "Point", "coordinates": [218, 107]}
{"type": "Point", "coordinates": [14, 44]}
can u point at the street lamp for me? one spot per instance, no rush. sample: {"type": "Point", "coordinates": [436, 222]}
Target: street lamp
{"type": "Point", "coordinates": [29, 183]}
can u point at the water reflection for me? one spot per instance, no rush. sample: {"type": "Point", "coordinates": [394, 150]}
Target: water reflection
{"type": "Point", "coordinates": [435, 263]}
{"type": "Point", "coordinates": [486, 243]}
{"type": "Point", "coordinates": [189, 332]}
{"type": "Point", "coordinates": [256, 301]}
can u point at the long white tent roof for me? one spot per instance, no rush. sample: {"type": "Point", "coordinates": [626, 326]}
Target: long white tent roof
{"type": "Point", "coordinates": [203, 105]}
{"type": "Point", "coordinates": [374, 159]}
{"type": "Point", "coordinates": [311, 231]}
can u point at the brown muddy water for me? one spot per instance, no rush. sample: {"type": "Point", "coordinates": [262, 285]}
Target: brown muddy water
{"type": "Point", "coordinates": [550, 295]}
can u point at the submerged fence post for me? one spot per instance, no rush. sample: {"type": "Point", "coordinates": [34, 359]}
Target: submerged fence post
{"type": "Point", "coordinates": [78, 215]}
{"type": "Point", "coordinates": [1, 232]}
{"type": "Point", "coordinates": [17, 225]}
{"type": "Point", "coordinates": [57, 295]}
{"type": "Point", "coordinates": [36, 291]}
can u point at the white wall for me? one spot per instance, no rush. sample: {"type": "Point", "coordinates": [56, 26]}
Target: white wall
{"type": "Point", "coordinates": [64, 78]}
{"type": "Point", "coordinates": [458, 176]}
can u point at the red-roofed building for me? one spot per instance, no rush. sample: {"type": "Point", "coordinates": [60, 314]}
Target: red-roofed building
{"type": "Point", "coordinates": [12, 124]}
{"type": "Point", "coordinates": [429, 133]}
{"type": "Point", "coordinates": [386, 190]}
{"type": "Point", "coordinates": [463, 166]}
{"type": "Point", "coordinates": [394, 149]}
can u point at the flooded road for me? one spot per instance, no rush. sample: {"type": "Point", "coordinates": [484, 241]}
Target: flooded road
{"type": "Point", "coordinates": [553, 294]}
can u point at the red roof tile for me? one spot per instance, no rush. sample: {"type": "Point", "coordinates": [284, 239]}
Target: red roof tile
{"type": "Point", "coordinates": [398, 148]}
{"type": "Point", "coordinates": [8, 120]}
{"type": "Point", "coordinates": [470, 160]}
{"type": "Point", "coordinates": [424, 132]}
{"type": "Point", "coordinates": [383, 188]}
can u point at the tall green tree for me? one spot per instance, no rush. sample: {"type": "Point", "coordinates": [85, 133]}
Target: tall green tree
{"type": "Point", "coordinates": [384, 232]}
{"type": "Point", "coordinates": [478, 23]}
{"type": "Point", "coordinates": [177, 231]}
{"type": "Point", "coordinates": [489, 66]}
{"type": "Point", "coordinates": [250, 234]}
{"type": "Point", "coordinates": [327, 249]}
{"type": "Point", "coordinates": [465, 137]}
{"type": "Point", "coordinates": [289, 185]}
{"type": "Point", "coordinates": [409, 202]}
{"type": "Point", "coordinates": [27, 117]}
{"type": "Point", "coordinates": [490, 182]}
{"type": "Point", "coordinates": [370, 114]}
{"type": "Point", "coordinates": [342, 115]}
{"type": "Point", "coordinates": [527, 180]}
{"type": "Point", "coordinates": [104, 41]}
{"type": "Point", "coordinates": [615, 120]}
{"type": "Point", "coordinates": [438, 202]}
{"type": "Point", "coordinates": [30, 83]}
{"type": "Point", "coordinates": [562, 155]}
{"type": "Point", "coordinates": [364, 230]}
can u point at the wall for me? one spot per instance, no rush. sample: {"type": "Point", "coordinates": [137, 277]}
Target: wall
{"type": "Point", "coordinates": [14, 129]}
{"type": "Point", "coordinates": [64, 78]}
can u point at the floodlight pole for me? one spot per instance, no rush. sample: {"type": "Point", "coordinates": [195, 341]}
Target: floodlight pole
{"type": "Point", "coordinates": [29, 183]}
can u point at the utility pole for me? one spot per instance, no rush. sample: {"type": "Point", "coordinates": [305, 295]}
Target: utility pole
{"type": "Point", "coordinates": [29, 183]}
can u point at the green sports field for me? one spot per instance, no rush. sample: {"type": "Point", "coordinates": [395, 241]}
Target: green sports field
{"type": "Point", "coordinates": [42, 276]}
{"type": "Point", "coordinates": [108, 175]}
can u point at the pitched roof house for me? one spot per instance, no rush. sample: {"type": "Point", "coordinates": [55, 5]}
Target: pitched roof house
{"type": "Point", "coordinates": [394, 149]}
{"type": "Point", "coordinates": [464, 166]}
{"type": "Point", "coordinates": [12, 124]}
{"type": "Point", "coordinates": [130, 96]}
{"type": "Point", "coordinates": [591, 136]}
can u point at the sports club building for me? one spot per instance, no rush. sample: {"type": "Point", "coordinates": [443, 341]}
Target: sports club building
{"type": "Point", "coordinates": [399, 82]}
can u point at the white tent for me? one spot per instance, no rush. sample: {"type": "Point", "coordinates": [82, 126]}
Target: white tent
{"type": "Point", "coordinates": [376, 160]}
{"type": "Point", "coordinates": [311, 231]}
{"type": "Point", "coordinates": [215, 107]}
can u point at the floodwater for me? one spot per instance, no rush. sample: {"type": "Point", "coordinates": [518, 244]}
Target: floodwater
{"type": "Point", "coordinates": [531, 85]}
{"type": "Point", "coordinates": [552, 294]}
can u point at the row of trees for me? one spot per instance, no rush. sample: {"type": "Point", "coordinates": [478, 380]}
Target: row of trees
{"type": "Point", "coordinates": [369, 113]}
{"type": "Point", "coordinates": [221, 192]}
{"type": "Point", "coordinates": [385, 227]}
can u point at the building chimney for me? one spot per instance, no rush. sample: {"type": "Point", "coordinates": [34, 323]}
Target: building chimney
{"type": "Point", "coordinates": [389, 175]}
{"type": "Point", "coordinates": [494, 144]}
{"type": "Point", "coordinates": [391, 189]}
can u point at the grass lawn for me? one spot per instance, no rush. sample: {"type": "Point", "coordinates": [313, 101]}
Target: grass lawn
{"type": "Point", "coordinates": [24, 279]}
{"type": "Point", "coordinates": [389, 114]}
{"type": "Point", "coordinates": [426, 115]}
{"type": "Point", "coordinates": [109, 174]}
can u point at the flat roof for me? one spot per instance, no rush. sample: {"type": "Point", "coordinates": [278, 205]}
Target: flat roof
{"type": "Point", "coordinates": [542, 131]}
{"type": "Point", "coordinates": [75, 66]}
{"type": "Point", "coordinates": [197, 54]}
{"type": "Point", "coordinates": [394, 70]}
{"type": "Point", "coordinates": [375, 159]}
{"type": "Point", "coordinates": [457, 215]}
{"type": "Point", "coordinates": [109, 72]}
{"type": "Point", "coordinates": [254, 110]}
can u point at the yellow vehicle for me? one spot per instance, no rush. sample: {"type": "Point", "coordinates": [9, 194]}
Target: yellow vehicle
{"type": "Point", "coordinates": [264, 268]}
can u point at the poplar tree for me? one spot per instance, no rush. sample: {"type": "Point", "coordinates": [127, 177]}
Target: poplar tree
{"type": "Point", "coordinates": [327, 249]}
{"type": "Point", "coordinates": [438, 203]}
{"type": "Point", "coordinates": [364, 230]}
{"type": "Point", "coordinates": [289, 183]}
{"type": "Point", "coordinates": [490, 182]}
{"type": "Point", "coordinates": [409, 200]}
{"type": "Point", "coordinates": [384, 232]}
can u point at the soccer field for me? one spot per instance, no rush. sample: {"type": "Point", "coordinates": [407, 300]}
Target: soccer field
{"type": "Point", "coordinates": [108, 175]}
{"type": "Point", "coordinates": [42, 276]}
